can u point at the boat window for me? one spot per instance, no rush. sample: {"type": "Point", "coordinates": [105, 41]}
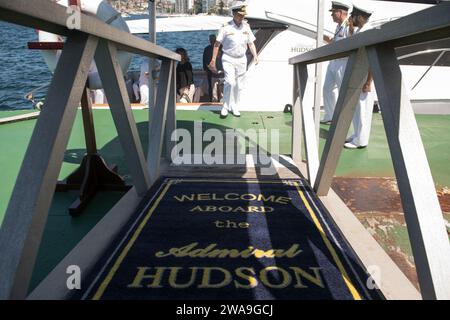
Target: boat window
{"type": "Point", "coordinates": [436, 53]}
{"type": "Point", "coordinates": [264, 31]}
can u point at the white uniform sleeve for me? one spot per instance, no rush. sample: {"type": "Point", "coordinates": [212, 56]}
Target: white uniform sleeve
{"type": "Point", "coordinates": [221, 35]}
{"type": "Point", "coordinates": [251, 36]}
{"type": "Point", "coordinates": [347, 31]}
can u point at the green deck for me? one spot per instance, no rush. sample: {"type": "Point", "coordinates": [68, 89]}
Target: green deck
{"type": "Point", "coordinates": [12, 113]}
{"type": "Point", "coordinates": [63, 232]}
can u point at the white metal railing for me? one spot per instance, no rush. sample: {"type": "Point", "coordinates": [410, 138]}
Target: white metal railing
{"type": "Point", "coordinates": [26, 215]}
{"type": "Point", "coordinates": [375, 50]}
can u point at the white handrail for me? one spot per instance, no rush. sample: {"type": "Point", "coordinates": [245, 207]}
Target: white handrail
{"type": "Point", "coordinates": [26, 215]}
{"type": "Point", "coordinates": [375, 50]}
{"type": "Point", "coordinates": [427, 25]}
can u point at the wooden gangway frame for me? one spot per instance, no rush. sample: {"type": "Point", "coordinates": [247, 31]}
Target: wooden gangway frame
{"type": "Point", "coordinates": [375, 50]}
{"type": "Point", "coordinates": [26, 215]}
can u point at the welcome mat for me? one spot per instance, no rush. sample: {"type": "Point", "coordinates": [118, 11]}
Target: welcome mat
{"type": "Point", "coordinates": [230, 239]}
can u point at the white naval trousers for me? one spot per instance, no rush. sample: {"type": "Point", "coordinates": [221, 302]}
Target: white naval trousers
{"type": "Point", "coordinates": [99, 96]}
{"type": "Point", "coordinates": [144, 92]}
{"type": "Point", "coordinates": [333, 80]}
{"type": "Point", "coordinates": [362, 120]}
{"type": "Point", "coordinates": [234, 70]}
{"type": "Point", "coordinates": [136, 92]}
{"type": "Point", "coordinates": [188, 91]}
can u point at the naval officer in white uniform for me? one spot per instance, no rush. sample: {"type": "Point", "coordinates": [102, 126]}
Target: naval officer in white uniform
{"type": "Point", "coordinates": [362, 119]}
{"type": "Point", "coordinates": [336, 68]}
{"type": "Point", "coordinates": [235, 37]}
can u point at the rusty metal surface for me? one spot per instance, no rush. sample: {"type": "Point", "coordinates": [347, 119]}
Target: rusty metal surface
{"type": "Point", "coordinates": [375, 201]}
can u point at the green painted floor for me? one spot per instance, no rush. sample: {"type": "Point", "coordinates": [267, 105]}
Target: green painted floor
{"type": "Point", "coordinates": [63, 232]}
{"type": "Point", "coordinates": [375, 160]}
{"type": "Point", "coordinates": [12, 113]}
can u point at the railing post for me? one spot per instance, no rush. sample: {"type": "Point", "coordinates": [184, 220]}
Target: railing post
{"type": "Point", "coordinates": [309, 130]}
{"type": "Point", "coordinates": [26, 216]}
{"type": "Point", "coordinates": [318, 68]}
{"type": "Point", "coordinates": [120, 106]}
{"type": "Point", "coordinates": [296, 147]}
{"type": "Point", "coordinates": [171, 121]}
{"type": "Point", "coordinates": [88, 122]}
{"type": "Point", "coordinates": [351, 88]}
{"type": "Point", "coordinates": [423, 215]}
{"type": "Point", "coordinates": [158, 118]}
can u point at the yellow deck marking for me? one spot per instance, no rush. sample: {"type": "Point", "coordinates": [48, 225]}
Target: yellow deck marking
{"type": "Point", "coordinates": [136, 234]}
{"type": "Point", "coordinates": [338, 262]}
{"type": "Point", "coordinates": [127, 248]}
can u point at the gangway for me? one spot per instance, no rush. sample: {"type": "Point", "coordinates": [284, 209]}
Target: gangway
{"type": "Point", "coordinates": [330, 237]}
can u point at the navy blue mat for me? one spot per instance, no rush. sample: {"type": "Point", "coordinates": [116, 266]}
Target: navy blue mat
{"type": "Point", "coordinates": [229, 239]}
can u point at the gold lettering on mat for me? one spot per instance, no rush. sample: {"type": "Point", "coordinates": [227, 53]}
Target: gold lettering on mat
{"type": "Point", "coordinates": [273, 277]}
{"type": "Point", "coordinates": [232, 197]}
{"type": "Point", "coordinates": [227, 209]}
{"type": "Point", "coordinates": [211, 251]}
{"type": "Point", "coordinates": [143, 274]}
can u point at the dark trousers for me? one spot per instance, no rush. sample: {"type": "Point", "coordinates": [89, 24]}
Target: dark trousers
{"type": "Point", "coordinates": [210, 88]}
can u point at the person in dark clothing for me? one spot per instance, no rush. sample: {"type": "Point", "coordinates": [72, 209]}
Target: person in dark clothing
{"type": "Point", "coordinates": [185, 77]}
{"type": "Point", "coordinates": [207, 55]}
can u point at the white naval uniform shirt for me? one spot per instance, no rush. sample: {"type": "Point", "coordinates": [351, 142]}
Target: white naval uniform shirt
{"type": "Point", "coordinates": [342, 31]}
{"type": "Point", "coordinates": [235, 39]}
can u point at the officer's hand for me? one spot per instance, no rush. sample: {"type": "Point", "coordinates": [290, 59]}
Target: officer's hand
{"type": "Point", "coordinates": [212, 66]}
{"type": "Point", "coordinates": [256, 60]}
{"type": "Point", "coordinates": [351, 27]}
{"type": "Point", "coordinates": [367, 87]}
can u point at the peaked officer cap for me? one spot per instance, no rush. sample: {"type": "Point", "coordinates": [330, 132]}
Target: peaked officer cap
{"type": "Point", "coordinates": [358, 11]}
{"type": "Point", "coordinates": [337, 5]}
{"type": "Point", "coordinates": [239, 7]}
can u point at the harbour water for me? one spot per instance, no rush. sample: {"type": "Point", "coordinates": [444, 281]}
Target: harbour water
{"type": "Point", "coordinates": [23, 70]}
